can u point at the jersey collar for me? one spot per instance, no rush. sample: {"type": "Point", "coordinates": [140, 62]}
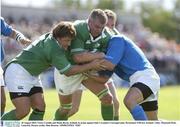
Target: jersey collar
{"type": "Point", "coordinates": [55, 40]}
{"type": "Point", "coordinates": [102, 35]}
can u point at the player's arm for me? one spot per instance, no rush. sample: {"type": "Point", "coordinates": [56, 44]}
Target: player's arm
{"type": "Point", "coordinates": [85, 56]}
{"type": "Point", "coordinates": [19, 37]}
{"type": "Point", "coordinates": [60, 61]}
{"type": "Point", "coordinates": [101, 76]}
{"type": "Point", "coordinates": [76, 69]}
{"type": "Point", "coordinates": [107, 65]}
{"type": "Point", "coordinates": [100, 79]}
{"type": "Point", "coordinates": [114, 52]}
{"type": "Point", "coordinates": [7, 30]}
{"type": "Point", "coordinates": [80, 55]}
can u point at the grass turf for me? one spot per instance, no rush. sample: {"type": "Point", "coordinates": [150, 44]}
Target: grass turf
{"type": "Point", "coordinates": [169, 105]}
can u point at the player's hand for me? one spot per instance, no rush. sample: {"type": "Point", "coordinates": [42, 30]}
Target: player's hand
{"type": "Point", "coordinates": [25, 41]}
{"type": "Point", "coordinates": [91, 73]}
{"type": "Point", "coordinates": [98, 64]}
{"type": "Point", "coordinates": [101, 55]}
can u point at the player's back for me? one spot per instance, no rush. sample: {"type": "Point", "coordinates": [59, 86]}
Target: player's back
{"type": "Point", "coordinates": [128, 57]}
{"type": "Point", "coordinates": [37, 57]}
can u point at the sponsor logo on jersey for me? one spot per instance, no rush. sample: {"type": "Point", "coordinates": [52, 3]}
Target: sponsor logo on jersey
{"type": "Point", "coordinates": [88, 42]}
{"type": "Point", "coordinates": [96, 45]}
{"type": "Point", "coordinates": [60, 90]}
{"type": "Point", "coordinates": [20, 87]}
{"type": "Point", "coordinates": [19, 94]}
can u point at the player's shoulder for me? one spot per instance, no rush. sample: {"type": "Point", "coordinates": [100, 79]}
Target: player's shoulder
{"type": "Point", "coordinates": [108, 31]}
{"type": "Point", "coordinates": [120, 38]}
{"type": "Point", "coordinates": [80, 23]}
{"type": "Point", "coordinates": [81, 28]}
{"type": "Point", "coordinates": [45, 40]}
{"type": "Point", "coordinates": [2, 20]}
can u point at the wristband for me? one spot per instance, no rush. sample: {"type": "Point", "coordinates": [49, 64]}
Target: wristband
{"type": "Point", "coordinates": [19, 36]}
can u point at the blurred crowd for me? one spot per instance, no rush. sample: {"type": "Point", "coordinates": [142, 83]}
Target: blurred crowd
{"type": "Point", "coordinates": [163, 54]}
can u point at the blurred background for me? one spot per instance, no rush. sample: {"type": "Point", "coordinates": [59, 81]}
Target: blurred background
{"type": "Point", "coordinates": [153, 25]}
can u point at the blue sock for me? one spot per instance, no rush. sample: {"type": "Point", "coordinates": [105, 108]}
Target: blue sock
{"type": "Point", "coordinates": [138, 113]}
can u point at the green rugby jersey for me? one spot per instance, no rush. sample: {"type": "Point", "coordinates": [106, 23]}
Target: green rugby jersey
{"type": "Point", "coordinates": [84, 40]}
{"type": "Point", "coordinates": [114, 31]}
{"type": "Point", "coordinates": [42, 54]}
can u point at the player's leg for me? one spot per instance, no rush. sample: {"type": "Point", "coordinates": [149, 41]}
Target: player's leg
{"type": "Point", "coordinates": [65, 106]}
{"type": "Point", "coordinates": [19, 82]}
{"type": "Point", "coordinates": [3, 100]}
{"type": "Point", "coordinates": [150, 106]}
{"type": "Point", "coordinates": [132, 99]}
{"type": "Point", "coordinates": [21, 102]}
{"type": "Point", "coordinates": [144, 88]}
{"type": "Point", "coordinates": [3, 97]}
{"type": "Point", "coordinates": [102, 92]}
{"type": "Point", "coordinates": [37, 104]}
{"type": "Point", "coordinates": [112, 90]}
{"type": "Point", "coordinates": [66, 86]}
{"type": "Point", "coordinates": [76, 100]}
{"type": "Point", "coordinates": [152, 115]}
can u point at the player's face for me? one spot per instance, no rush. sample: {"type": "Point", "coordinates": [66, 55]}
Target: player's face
{"type": "Point", "coordinates": [111, 23]}
{"type": "Point", "coordinates": [65, 42]}
{"type": "Point", "coordinates": [95, 27]}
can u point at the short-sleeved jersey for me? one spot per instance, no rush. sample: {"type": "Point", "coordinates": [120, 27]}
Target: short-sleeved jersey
{"type": "Point", "coordinates": [6, 30]}
{"type": "Point", "coordinates": [42, 54]}
{"type": "Point", "coordinates": [127, 57]}
{"type": "Point", "coordinates": [84, 40]}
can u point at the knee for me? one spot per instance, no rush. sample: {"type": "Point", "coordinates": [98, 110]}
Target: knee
{"type": "Point", "coordinates": [41, 106]}
{"type": "Point", "coordinates": [129, 102]}
{"type": "Point", "coordinates": [106, 99]}
{"type": "Point", "coordinates": [22, 112]}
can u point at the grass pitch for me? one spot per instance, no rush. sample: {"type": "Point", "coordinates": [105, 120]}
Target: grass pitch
{"type": "Point", "coordinates": [169, 105]}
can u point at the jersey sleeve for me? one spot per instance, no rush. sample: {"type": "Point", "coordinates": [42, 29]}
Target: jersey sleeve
{"type": "Point", "coordinates": [59, 59]}
{"type": "Point", "coordinates": [6, 29]}
{"type": "Point", "coordinates": [77, 46]}
{"type": "Point", "coordinates": [116, 32]}
{"type": "Point", "coordinates": [61, 63]}
{"type": "Point", "coordinates": [115, 49]}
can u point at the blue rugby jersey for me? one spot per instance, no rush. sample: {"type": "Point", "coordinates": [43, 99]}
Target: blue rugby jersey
{"type": "Point", "coordinates": [6, 30]}
{"type": "Point", "coordinates": [127, 57]}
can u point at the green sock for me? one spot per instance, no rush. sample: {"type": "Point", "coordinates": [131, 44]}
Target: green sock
{"type": "Point", "coordinates": [59, 116]}
{"type": "Point", "coordinates": [107, 112]}
{"type": "Point", "coordinates": [116, 117]}
{"type": "Point", "coordinates": [36, 115]}
{"type": "Point", "coordinates": [9, 116]}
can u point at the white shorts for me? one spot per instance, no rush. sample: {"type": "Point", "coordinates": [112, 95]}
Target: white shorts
{"type": "Point", "coordinates": [17, 79]}
{"type": "Point", "coordinates": [1, 77]}
{"type": "Point", "coordinates": [150, 78]}
{"type": "Point", "coordinates": [66, 85]}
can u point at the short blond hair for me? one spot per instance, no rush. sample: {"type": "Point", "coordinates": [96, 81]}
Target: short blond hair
{"type": "Point", "coordinates": [110, 14]}
{"type": "Point", "coordinates": [98, 14]}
